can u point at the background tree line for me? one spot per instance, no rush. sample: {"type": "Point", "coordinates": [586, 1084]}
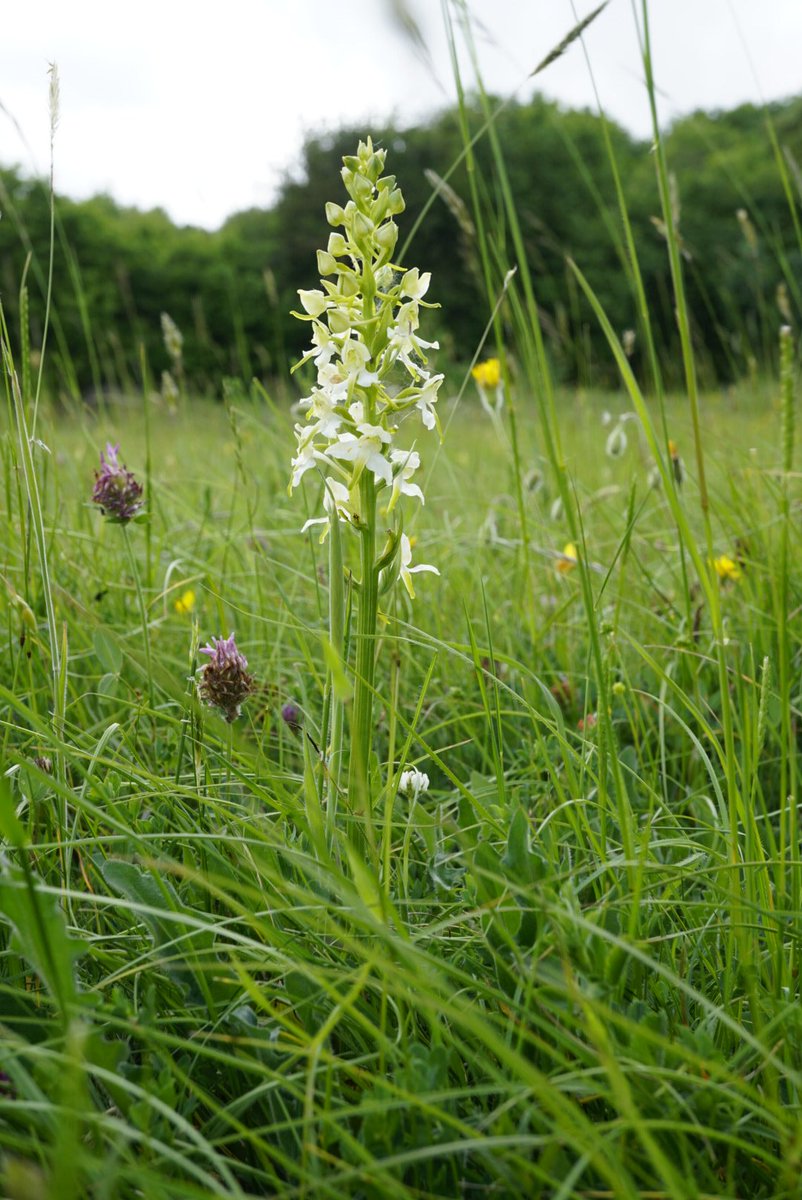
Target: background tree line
{"type": "Point", "coordinates": [116, 270]}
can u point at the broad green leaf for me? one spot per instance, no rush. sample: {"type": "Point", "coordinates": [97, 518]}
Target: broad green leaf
{"type": "Point", "coordinates": [107, 650]}
{"type": "Point", "coordinates": [40, 935]}
{"type": "Point", "coordinates": [188, 950]}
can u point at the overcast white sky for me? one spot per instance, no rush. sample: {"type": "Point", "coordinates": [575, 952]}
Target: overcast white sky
{"type": "Point", "coordinates": [199, 106]}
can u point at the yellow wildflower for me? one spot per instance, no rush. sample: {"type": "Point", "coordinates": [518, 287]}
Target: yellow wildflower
{"type": "Point", "coordinates": [185, 604]}
{"type": "Point", "coordinates": [677, 465]}
{"type": "Point", "coordinates": [727, 568]}
{"type": "Point", "coordinates": [488, 373]}
{"type": "Point", "coordinates": [568, 560]}
{"type": "Point", "coordinates": [679, 471]}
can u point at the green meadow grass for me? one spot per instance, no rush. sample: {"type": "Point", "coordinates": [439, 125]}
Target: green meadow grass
{"type": "Point", "coordinates": [552, 980]}
{"type": "Point", "coordinates": [570, 967]}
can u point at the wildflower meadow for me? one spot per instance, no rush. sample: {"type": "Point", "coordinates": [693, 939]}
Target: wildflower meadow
{"type": "Point", "coordinates": [399, 793]}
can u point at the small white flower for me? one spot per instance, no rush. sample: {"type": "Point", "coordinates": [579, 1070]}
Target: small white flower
{"type": "Point", "coordinates": [355, 358]}
{"type": "Point", "coordinates": [413, 781]}
{"type": "Point", "coordinates": [427, 398]}
{"type": "Point", "coordinates": [335, 496]}
{"type": "Point", "coordinates": [342, 376]}
{"type": "Point", "coordinates": [365, 451]}
{"type": "Point", "coordinates": [326, 263]}
{"type": "Point", "coordinates": [317, 521]}
{"type": "Point", "coordinates": [337, 245]}
{"type": "Point", "coordinates": [374, 431]}
{"type": "Point", "coordinates": [409, 461]}
{"type": "Point", "coordinates": [403, 342]}
{"type": "Point", "coordinates": [407, 571]}
{"type": "Point", "coordinates": [415, 285]}
{"type": "Point", "coordinates": [314, 302]}
{"type": "Point", "coordinates": [339, 499]}
{"type": "Point", "coordinates": [322, 407]}
{"type": "Point", "coordinates": [335, 213]}
{"type": "Point", "coordinates": [339, 319]}
{"type": "Point", "coordinates": [356, 411]}
{"type": "Point", "coordinates": [326, 345]}
{"type": "Point", "coordinates": [307, 453]}
{"type": "Point", "coordinates": [333, 379]}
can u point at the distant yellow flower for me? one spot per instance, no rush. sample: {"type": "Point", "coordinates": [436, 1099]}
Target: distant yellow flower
{"type": "Point", "coordinates": [185, 604]}
{"type": "Point", "coordinates": [727, 568]}
{"type": "Point", "coordinates": [488, 373]}
{"type": "Point", "coordinates": [677, 465]}
{"type": "Point", "coordinates": [568, 560]}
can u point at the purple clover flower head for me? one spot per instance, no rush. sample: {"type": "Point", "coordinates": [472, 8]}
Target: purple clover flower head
{"type": "Point", "coordinates": [116, 489]}
{"type": "Point", "coordinates": [291, 716]}
{"type": "Point", "coordinates": [225, 682]}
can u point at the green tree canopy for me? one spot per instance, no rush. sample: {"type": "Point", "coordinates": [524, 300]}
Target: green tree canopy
{"type": "Point", "coordinates": [230, 291]}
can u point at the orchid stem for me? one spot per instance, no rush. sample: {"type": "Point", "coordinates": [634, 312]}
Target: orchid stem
{"type": "Point", "coordinates": [337, 635]}
{"type": "Point", "coordinates": [362, 728]}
